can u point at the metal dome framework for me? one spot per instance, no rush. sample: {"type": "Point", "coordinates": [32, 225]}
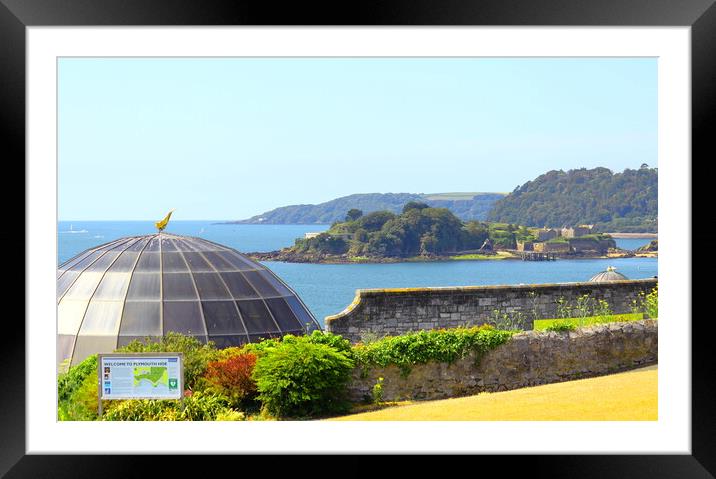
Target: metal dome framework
{"type": "Point", "coordinates": [147, 286]}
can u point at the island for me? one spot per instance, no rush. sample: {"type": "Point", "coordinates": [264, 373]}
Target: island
{"type": "Point", "coordinates": [424, 233]}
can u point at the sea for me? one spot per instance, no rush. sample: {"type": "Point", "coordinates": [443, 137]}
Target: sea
{"type": "Point", "coordinates": [329, 288]}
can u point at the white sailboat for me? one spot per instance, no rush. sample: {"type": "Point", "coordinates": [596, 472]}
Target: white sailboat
{"type": "Point", "coordinates": [72, 230]}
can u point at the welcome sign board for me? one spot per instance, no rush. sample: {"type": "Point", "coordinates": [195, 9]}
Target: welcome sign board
{"type": "Point", "coordinates": [141, 375]}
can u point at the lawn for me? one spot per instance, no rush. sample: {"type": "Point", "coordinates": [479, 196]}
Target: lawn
{"type": "Point", "coordinates": [542, 324]}
{"type": "Point", "coordinates": [627, 396]}
{"type": "Point", "coordinates": [477, 256]}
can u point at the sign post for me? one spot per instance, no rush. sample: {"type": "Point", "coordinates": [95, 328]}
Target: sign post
{"type": "Point", "coordinates": [140, 376]}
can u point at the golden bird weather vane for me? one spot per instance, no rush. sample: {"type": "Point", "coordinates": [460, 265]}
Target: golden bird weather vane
{"type": "Point", "coordinates": [163, 223]}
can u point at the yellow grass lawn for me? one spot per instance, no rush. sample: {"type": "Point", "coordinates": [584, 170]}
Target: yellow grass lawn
{"type": "Point", "coordinates": [628, 396]}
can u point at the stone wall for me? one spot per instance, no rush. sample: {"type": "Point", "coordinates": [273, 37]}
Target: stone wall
{"type": "Point", "coordinates": [580, 244]}
{"type": "Point", "coordinates": [551, 247]}
{"type": "Point", "coordinates": [384, 312]}
{"type": "Point", "coordinates": [525, 246]}
{"type": "Point", "coordinates": [528, 359]}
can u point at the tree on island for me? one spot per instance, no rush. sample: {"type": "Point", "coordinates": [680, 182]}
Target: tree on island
{"type": "Point", "coordinates": [353, 214]}
{"type": "Point", "coordinates": [414, 205]}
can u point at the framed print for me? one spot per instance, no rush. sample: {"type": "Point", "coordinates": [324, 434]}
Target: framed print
{"type": "Point", "coordinates": [64, 69]}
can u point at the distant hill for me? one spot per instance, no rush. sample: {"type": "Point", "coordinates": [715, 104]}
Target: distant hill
{"type": "Point", "coordinates": [617, 202]}
{"type": "Point", "coordinates": [466, 206]}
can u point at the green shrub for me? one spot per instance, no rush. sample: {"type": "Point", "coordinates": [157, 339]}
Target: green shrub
{"type": "Point", "coordinates": [367, 337]}
{"type": "Point", "coordinates": [230, 415]}
{"type": "Point", "coordinates": [377, 391]}
{"type": "Point", "coordinates": [561, 326]}
{"type": "Point", "coordinates": [229, 352]}
{"type": "Point", "coordinates": [203, 407]}
{"type": "Point", "coordinates": [67, 383]}
{"type": "Point", "coordinates": [544, 324]}
{"type": "Point", "coordinates": [436, 345]}
{"type": "Point", "coordinates": [82, 404]}
{"type": "Point", "coordinates": [197, 407]}
{"type": "Point", "coordinates": [602, 313]}
{"type": "Point", "coordinates": [651, 303]}
{"type": "Point", "coordinates": [260, 348]}
{"type": "Point", "coordinates": [196, 354]}
{"type": "Point", "coordinates": [335, 341]}
{"type": "Point", "coordinates": [142, 410]}
{"type": "Point", "coordinates": [77, 392]}
{"type": "Point", "coordinates": [564, 310]}
{"type": "Point", "coordinates": [584, 308]}
{"type": "Point", "coordinates": [86, 396]}
{"type": "Point", "coordinates": [299, 378]}
{"type": "Point", "coordinates": [647, 303]}
{"type": "Point", "coordinates": [507, 321]}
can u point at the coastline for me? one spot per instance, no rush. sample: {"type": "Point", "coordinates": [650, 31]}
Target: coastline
{"type": "Point", "coordinates": [341, 259]}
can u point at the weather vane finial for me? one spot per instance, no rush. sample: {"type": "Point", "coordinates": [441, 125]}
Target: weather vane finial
{"type": "Point", "coordinates": [163, 223]}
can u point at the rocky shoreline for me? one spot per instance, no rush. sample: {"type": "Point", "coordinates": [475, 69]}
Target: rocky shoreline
{"type": "Point", "coordinates": [292, 257]}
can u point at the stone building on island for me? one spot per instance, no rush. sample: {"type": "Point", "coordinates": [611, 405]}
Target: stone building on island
{"type": "Point", "coordinates": [577, 231]}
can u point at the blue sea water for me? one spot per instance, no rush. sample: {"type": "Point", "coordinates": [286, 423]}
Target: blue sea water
{"type": "Point", "coordinates": [632, 243]}
{"type": "Point", "coordinates": [327, 289]}
{"type": "Point", "coordinates": [73, 237]}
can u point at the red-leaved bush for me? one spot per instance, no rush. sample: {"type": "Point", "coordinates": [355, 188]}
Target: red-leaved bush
{"type": "Point", "coordinates": [232, 378]}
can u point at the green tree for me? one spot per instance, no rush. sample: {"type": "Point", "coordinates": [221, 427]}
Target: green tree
{"type": "Point", "coordinates": [428, 244]}
{"type": "Point", "coordinates": [417, 205]}
{"type": "Point", "coordinates": [323, 243]}
{"type": "Point", "coordinates": [475, 234]}
{"type": "Point", "coordinates": [353, 214]}
{"type": "Point", "coordinates": [374, 221]}
{"type": "Point", "coordinates": [625, 201]}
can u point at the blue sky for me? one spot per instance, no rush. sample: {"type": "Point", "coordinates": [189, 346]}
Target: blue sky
{"type": "Point", "coordinates": [228, 138]}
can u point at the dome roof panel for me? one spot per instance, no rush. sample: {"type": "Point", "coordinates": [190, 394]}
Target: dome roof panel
{"type": "Point", "coordinates": [144, 287]}
{"type": "Point", "coordinates": [141, 318]}
{"type": "Point", "coordinates": [148, 262]}
{"type": "Point", "coordinates": [139, 245]}
{"type": "Point", "coordinates": [82, 262]}
{"type": "Point", "coordinates": [147, 286]}
{"type": "Point", "coordinates": [125, 262]}
{"type": "Point", "coordinates": [65, 281]}
{"type": "Point", "coordinates": [238, 285]}
{"type": "Point", "coordinates": [196, 262]}
{"type": "Point", "coordinates": [211, 286]}
{"type": "Point", "coordinates": [103, 261]}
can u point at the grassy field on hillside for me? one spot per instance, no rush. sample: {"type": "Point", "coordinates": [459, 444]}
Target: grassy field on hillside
{"type": "Point", "coordinates": [453, 196]}
{"type": "Point", "coordinates": [627, 396]}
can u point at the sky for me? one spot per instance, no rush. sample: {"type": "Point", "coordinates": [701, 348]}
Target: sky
{"type": "Point", "coordinates": [229, 138]}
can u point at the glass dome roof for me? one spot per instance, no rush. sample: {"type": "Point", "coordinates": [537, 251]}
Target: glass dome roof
{"type": "Point", "coordinates": [141, 286]}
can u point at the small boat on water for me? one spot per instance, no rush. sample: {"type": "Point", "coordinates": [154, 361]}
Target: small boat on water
{"type": "Point", "coordinates": [72, 230]}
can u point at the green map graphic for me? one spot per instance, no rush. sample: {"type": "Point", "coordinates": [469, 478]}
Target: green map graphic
{"type": "Point", "coordinates": [155, 375]}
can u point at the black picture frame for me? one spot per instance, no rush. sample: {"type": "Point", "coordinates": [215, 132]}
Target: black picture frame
{"type": "Point", "coordinates": [700, 15]}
